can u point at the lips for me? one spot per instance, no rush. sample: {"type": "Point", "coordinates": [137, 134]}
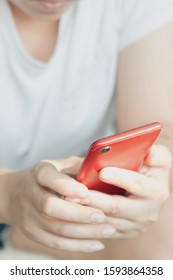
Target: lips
{"type": "Point", "coordinates": [53, 5]}
{"type": "Point", "coordinates": [54, 1]}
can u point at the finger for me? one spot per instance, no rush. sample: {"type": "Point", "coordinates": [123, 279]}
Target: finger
{"type": "Point", "coordinates": [135, 183]}
{"type": "Point", "coordinates": [157, 163]}
{"type": "Point", "coordinates": [78, 231]}
{"type": "Point", "coordinates": [124, 226]}
{"type": "Point", "coordinates": [59, 243]}
{"type": "Point", "coordinates": [127, 235]}
{"type": "Point", "coordinates": [68, 166]}
{"type": "Point", "coordinates": [136, 210]}
{"type": "Point", "coordinates": [159, 156]}
{"type": "Point", "coordinates": [50, 205]}
{"type": "Point", "coordinates": [48, 176]}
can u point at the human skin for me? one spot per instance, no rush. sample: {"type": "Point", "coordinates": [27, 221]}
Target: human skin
{"type": "Point", "coordinates": [49, 10]}
{"type": "Point", "coordinates": [131, 216]}
{"type": "Point", "coordinates": [30, 201]}
{"type": "Point", "coordinates": [38, 25]}
{"type": "Point", "coordinates": [148, 203]}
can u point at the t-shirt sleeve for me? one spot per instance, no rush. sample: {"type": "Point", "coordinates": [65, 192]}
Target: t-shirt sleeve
{"type": "Point", "coordinates": [140, 17]}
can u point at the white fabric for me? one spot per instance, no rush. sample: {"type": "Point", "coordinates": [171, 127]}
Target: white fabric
{"type": "Point", "coordinates": [56, 109]}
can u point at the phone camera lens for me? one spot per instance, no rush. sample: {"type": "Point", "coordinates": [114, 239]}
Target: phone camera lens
{"type": "Point", "coordinates": [105, 150]}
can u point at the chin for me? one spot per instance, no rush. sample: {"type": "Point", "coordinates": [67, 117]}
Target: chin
{"type": "Point", "coordinates": [46, 12]}
{"type": "Point", "coordinates": [52, 10]}
{"type": "Point", "coordinates": [47, 17]}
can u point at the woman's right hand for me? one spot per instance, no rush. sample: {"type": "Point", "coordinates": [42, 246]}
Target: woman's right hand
{"type": "Point", "coordinates": [36, 206]}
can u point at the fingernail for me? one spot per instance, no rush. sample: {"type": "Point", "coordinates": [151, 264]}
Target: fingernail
{"type": "Point", "coordinates": [107, 173]}
{"type": "Point", "coordinates": [96, 247]}
{"type": "Point", "coordinates": [97, 218]}
{"type": "Point", "coordinates": [82, 192]}
{"type": "Point", "coordinates": [108, 231]}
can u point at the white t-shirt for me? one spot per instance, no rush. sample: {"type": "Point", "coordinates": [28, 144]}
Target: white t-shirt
{"type": "Point", "coordinates": [56, 109]}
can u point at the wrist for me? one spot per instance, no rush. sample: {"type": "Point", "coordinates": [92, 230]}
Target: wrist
{"type": "Point", "coordinates": [6, 188]}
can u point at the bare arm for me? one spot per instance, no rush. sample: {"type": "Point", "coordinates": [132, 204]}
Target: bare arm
{"type": "Point", "coordinates": [4, 196]}
{"type": "Point", "coordinates": [144, 94]}
{"type": "Point", "coordinates": [145, 84]}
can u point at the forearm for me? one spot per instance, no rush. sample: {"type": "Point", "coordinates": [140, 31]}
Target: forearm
{"type": "Point", "coordinates": [5, 190]}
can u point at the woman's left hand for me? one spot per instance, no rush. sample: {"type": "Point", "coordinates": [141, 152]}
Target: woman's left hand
{"type": "Point", "coordinates": [147, 190]}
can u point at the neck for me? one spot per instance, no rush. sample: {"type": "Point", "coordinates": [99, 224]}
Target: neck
{"type": "Point", "coordinates": [23, 19]}
{"type": "Point", "coordinates": [38, 36]}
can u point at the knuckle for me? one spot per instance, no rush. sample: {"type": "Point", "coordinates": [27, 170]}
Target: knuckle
{"type": "Point", "coordinates": [56, 244]}
{"type": "Point", "coordinates": [43, 203]}
{"type": "Point", "coordinates": [27, 230]}
{"type": "Point", "coordinates": [113, 210]}
{"type": "Point", "coordinates": [62, 229]}
{"type": "Point", "coordinates": [143, 229]}
{"type": "Point", "coordinates": [74, 162]}
{"type": "Point", "coordinates": [40, 171]}
{"type": "Point", "coordinates": [137, 184]}
{"type": "Point", "coordinates": [99, 232]}
{"type": "Point", "coordinates": [152, 218]}
{"type": "Point", "coordinates": [119, 224]}
{"type": "Point", "coordinates": [47, 206]}
{"type": "Point", "coordinates": [73, 158]}
{"type": "Point", "coordinates": [150, 215]}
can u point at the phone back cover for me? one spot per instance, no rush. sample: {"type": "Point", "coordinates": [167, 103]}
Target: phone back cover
{"type": "Point", "coordinates": [127, 154]}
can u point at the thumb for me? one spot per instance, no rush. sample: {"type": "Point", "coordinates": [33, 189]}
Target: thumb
{"type": "Point", "coordinates": [70, 166]}
{"type": "Point", "coordinates": [159, 156]}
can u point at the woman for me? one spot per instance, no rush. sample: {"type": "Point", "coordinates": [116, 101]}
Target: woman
{"type": "Point", "coordinates": [72, 72]}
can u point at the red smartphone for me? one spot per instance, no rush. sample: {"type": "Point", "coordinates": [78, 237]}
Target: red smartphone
{"type": "Point", "coordinates": [124, 150]}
